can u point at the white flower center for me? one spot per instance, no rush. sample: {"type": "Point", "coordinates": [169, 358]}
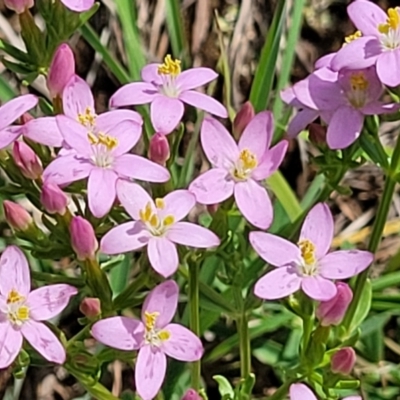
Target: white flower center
{"type": "Point", "coordinates": [156, 224]}
{"type": "Point", "coordinates": [16, 310]}
{"type": "Point", "coordinates": [168, 72]}
{"type": "Point", "coordinates": [152, 335]}
{"type": "Point", "coordinates": [245, 165]}
{"type": "Point", "coordinates": [390, 30]}
{"type": "Point", "coordinates": [102, 146]}
{"type": "Point", "coordinates": [308, 265]}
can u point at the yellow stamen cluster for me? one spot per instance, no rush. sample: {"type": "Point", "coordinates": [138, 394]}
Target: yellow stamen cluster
{"type": "Point", "coordinates": [150, 319]}
{"type": "Point", "coordinates": [109, 142]}
{"type": "Point", "coordinates": [358, 81]}
{"type": "Point", "coordinates": [307, 249]}
{"type": "Point", "coordinates": [148, 216]}
{"type": "Point", "coordinates": [247, 162]}
{"type": "Point", "coordinates": [354, 36]}
{"type": "Point", "coordinates": [17, 313]}
{"type": "Point", "coordinates": [392, 21]}
{"type": "Point", "coordinates": [152, 334]}
{"type": "Point", "coordinates": [87, 118]}
{"type": "Point", "coordinates": [14, 297]}
{"type": "Point", "coordinates": [160, 204]}
{"type": "Point", "coordinates": [170, 66]}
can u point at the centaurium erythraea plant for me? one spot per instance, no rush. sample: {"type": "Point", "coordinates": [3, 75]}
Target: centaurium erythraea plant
{"type": "Point", "coordinates": [300, 391]}
{"type": "Point", "coordinates": [154, 336]}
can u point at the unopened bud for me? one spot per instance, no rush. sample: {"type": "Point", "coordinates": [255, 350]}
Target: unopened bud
{"type": "Point", "coordinates": [61, 70]}
{"type": "Point", "coordinates": [19, 6]}
{"type": "Point", "coordinates": [27, 160]}
{"type": "Point", "coordinates": [83, 238]}
{"type": "Point", "coordinates": [191, 394]}
{"type": "Point", "coordinates": [242, 119]}
{"type": "Point", "coordinates": [159, 149]}
{"type": "Point", "coordinates": [17, 217]}
{"type": "Point", "coordinates": [25, 118]}
{"type": "Point", "coordinates": [90, 307]}
{"type": "Point", "coordinates": [54, 200]}
{"type": "Point", "coordinates": [212, 208]}
{"type": "Point", "coordinates": [343, 361]}
{"type": "Point", "coordinates": [317, 134]}
{"type": "Point", "coordinates": [332, 312]}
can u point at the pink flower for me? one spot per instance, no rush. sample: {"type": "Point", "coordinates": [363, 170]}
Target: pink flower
{"type": "Point", "coordinates": [78, 5]}
{"type": "Point", "coordinates": [157, 225]}
{"type": "Point", "coordinates": [53, 199]}
{"type": "Point", "coordinates": [16, 216]}
{"type": "Point", "coordinates": [22, 310]}
{"type": "Point", "coordinates": [167, 88]}
{"type": "Point", "coordinates": [159, 151]}
{"type": "Point", "coordinates": [100, 145]}
{"type": "Point", "coordinates": [154, 336]}
{"type": "Point", "coordinates": [27, 160]}
{"type": "Point", "coordinates": [242, 119]}
{"type": "Point", "coordinates": [83, 238]}
{"type": "Point", "coordinates": [308, 264]}
{"type": "Point", "coordinates": [239, 168]}
{"type": "Point", "coordinates": [343, 361]}
{"type": "Point", "coordinates": [299, 391]}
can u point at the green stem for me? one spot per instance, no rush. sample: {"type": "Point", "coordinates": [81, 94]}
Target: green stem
{"type": "Point", "coordinates": [308, 323]}
{"type": "Point", "coordinates": [282, 391]}
{"type": "Point", "coordinates": [244, 342]}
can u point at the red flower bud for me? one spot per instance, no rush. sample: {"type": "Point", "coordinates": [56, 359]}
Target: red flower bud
{"type": "Point", "coordinates": [343, 361]}
{"type": "Point", "coordinates": [27, 160]}
{"type": "Point", "coordinates": [17, 217]}
{"type": "Point", "coordinates": [159, 149]}
{"type": "Point", "coordinates": [90, 307]}
{"type": "Point", "coordinates": [242, 119]}
{"type": "Point", "coordinates": [191, 394]}
{"type": "Point", "coordinates": [19, 6]}
{"type": "Point", "coordinates": [54, 200]}
{"type": "Point", "coordinates": [83, 238]}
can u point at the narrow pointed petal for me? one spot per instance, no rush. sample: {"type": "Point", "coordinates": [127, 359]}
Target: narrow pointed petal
{"type": "Point", "coordinates": [213, 186]}
{"type": "Point", "coordinates": [133, 197]}
{"type": "Point", "coordinates": [10, 344]}
{"type": "Point", "coordinates": [377, 108]}
{"type": "Point", "coordinates": [43, 130]}
{"type": "Point", "coordinates": [193, 235]}
{"type": "Point", "coordinates": [166, 113]}
{"type": "Point", "coordinates": [254, 203]}
{"type": "Point", "coordinates": [13, 109]}
{"type": "Point", "coordinates": [10, 135]}
{"type": "Point", "coordinates": [163, 256]}
{"type": "Point", "coordinates": [299, 391]}
{"type": "Point", "coordinates": [318, 228]}
{"type": "Point", "coordinates": [278, 283]}
{"type": "Point", "coordinates": [14, 272]}
{"type": "Point", "coordinates": [151, 365]}
{"type": "Point", "coordinates": [44, 341]}
{"type": "Point", "coordinates": [179, 203]}
{"type": "Point", "coordinates": [344, 264]}
{"type": "Point", "coordinates": [48, 301]}
{"type": "Point", "coordinates": [366, 16]}
{"type": "Point", "coordinates": [150, 74]}
{"type": "Point", "coordinates": [183, 344]}
{"type": "Point", "coordinates": [318, 288]}
{"type": "Point", "coordinates": [388, 62]}
{"type": "Point", "coordinates": [163, 299]}
{"type": "Point", "coordinates": [195, 77]}
{"type": "Point", "coordinates": [204, 102]}
{"type": "Point", "coordinates": [324, 61]}
{"type": "Point", "coordinates": [121, 333]}
{"type": "Point", "coordinates": [134, 94]}
{"type": "Point", "coordinates": [125, 237]}
{"type": "Point", "coordinates": [77, 97]}
{"type": "Point", "coordinates": [274, 249]}
{"type": "Point", "coordinates": [300, 121]}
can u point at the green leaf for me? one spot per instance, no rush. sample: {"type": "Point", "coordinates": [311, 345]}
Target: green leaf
{"type": "Point", "coordinates": [363, 306]}
{"type": "Point", "coordinates": [6, 91]}
{"type": "Point", "coordinates": [14, 51]}
{"type": "Point", "coordinates": [224, 387]}
{"type": "Point", "coordinates": [119, 275]}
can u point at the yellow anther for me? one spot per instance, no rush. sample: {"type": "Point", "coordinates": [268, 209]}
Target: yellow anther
{"type": "Point", "coordinates": [146, 214]}
{"type": "Point", "coordinates": [248, 159]}
{"type": "Point", "coordinates": [168, 220]}
{"type": "Point", "coordinates": [22, 313]}
{"type": "Point", "coordinates": [160, 204]}
{"type": "Point", "coordinates": [170, 66]}
{"type": "Point", "coordinates": [92, 138]}
{"type": "Point", "coordinates": [307, 249]}
{"type": "Point", "coordinates": [14, 297]}
{"type": "Point", "coordinates": [164, 335]}
{"type": "Point", "coordinates": [154, 221]}
{"type": "Point", "coordinates": [108, 141]}
{"type": "Point", "coordinates": [392, 21]}
{"type": "Point", "coordinates": [87, 118]}
{"type": "Point", "coordinates": [358, 81]}
{"type": "Point", "coordinates": [150, 319]}
{"type": "Point", "coordinates": [354, 36]}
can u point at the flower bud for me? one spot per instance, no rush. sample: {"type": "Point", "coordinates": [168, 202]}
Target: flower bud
{"type": "Point", "coordinates": [212, 208]}
{"type": "Point", "coordinates": [54, 200]}
{"type": "Point", "coordinates": [83, 238]}
{"type": "Point", "coordinates": [61, 70]}
{"type": "Point", "coordinates": [317, 134]}
{"type": "Point", "coordinates": [343, 361]}
{"type": "Point", "coordinates": [191, 394]}
{"type": "Point", "coordinates": [242, 119]}
{"type": "Point", "coordinates": [19, 6]}
{"type": "Point", "coordinates": [159, 149]}
{"type": "Point", "coordinates": [90, 307]}
{"type": "Point", "coordinates": [332, 312]}
{"type": "Point", "coordinates": [27, 160]}
{"type": "Point", "coordinates": [17, 217]}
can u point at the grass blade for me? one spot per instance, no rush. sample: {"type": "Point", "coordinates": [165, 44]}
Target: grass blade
{"type": "Point", "coordinates": [6, 91]}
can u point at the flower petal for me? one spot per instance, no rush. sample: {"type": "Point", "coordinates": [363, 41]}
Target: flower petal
{"type": "Point", "coordinates": [43, 130]}
{"type": "Point", "coordinates": [388, 62]}
{"type": "Point", "coordinates": [324, 61]}
{"type": "Point", "coordinates": [121, 333]}
{"type": "Point", "coordinates": [15, 108]}
{"type": "Point", "coordinates": [377, 107]}
{"type": "Point", "coordinates": [134, 94]}
{"type": "Point", "coordinates": [274, 249]}
{"type": "Point", "coordinates": [44, 341]}
{"type": "Point", "coordinates": [166, 113]}
{"type": "Point", "coordinates": [10, 344]}
{"type": "Point", "coordinates": [178, 203]}
{"type": "Point", "coordinates": [151, 365]}
{"type": "Point", "coordinates": [14, 272]}
{"type": "Point", "coordinates": [163, 299]}
{"type": "Point", "coordinates": [278, 283]}
{"type": "Point", "coordinates": [344, 264]}
{"type": "Point", "coordinates": [183, 344]}
{"type": "Point", "coordinates": [318, 288]}
{"type": "Point", "coordinates": [366, 16]}
{"type": "Point", "coordinates": [48, 301]}
{"type": "Point", "coordinates": [318, 228]}
{"type": "Point", "coordinates": [78, 5]}
{"type": "Point", "coordinates": [101, 191]}
{"type": "Point", "coordinates": [212, 186]}
{"type": "Point", "coordinates": [150, 74]}
{"type": "Point", "coordinates": [195, 77]}
{"type": "Point", "coordinates": [300, 121]}
{"type": "Point", "coordinates": [203, 102]}
{"type": "Point", "coordinates": [163, 256]}
{"type": "Point", "coordinates": [133, 198]}
{"type": "Point", "coordinates": [254, 203]}
{"type": "Point", "coordinates": [193, 235]}
{"type": "Point", "coordinates": [77, 97]}
{"type": "Point", "coordinates": [299, 391]}
{"type": "Point", "coordinates": [108, 120]}
{"type": "Point", "coordinates": [10, 135]}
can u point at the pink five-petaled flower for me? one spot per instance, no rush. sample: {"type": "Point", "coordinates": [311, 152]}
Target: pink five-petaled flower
{"type": "Point", "coordinates": [100, 146]}
{"type": "Point", "coordinates": [299, 391]}
{"type": "Point", "coordinates": [22, 310]}
{"type": "Point", "coordinates": [154, 336]}
{"type": "Point", "coordinates": [157, 225]}
{"type": "Point", "coordinates": [379, 44]}
{"type": "Point", "coordinates": [308, 264]}
{"type": "Point", "coordinates": [167, 88]}
{"type": "Point", "coordinates": [238, 168]}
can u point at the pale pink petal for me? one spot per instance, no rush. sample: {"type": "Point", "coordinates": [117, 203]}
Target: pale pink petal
{"type": "Point", "coordinates": [150, 74]}
{"type": "Point", "coordinates": [163, 256]}
{"type": "Point", "coordinates": [213, 186]}
{"type": "Point", "coordinates": [121, 333]}
{"type": "Point", "coordinates": [193, 235]}
{"type": "Point", "coordinates": [43, 130]}
{"type": "Point", "coordinates": [324, 61]}
{"type": "Point", "coordinates": [133, 197]}
{"type": "Point", "coordinates": [109, 119]}
{"type": "Point", "coordinates": [195, 77]}
{"type": "Point", "coordinates": [318, 288]}
{"type": "Point", "coordinates": [125, 237]}
{"type": "Point", "coordinates": [344, 264]}
{"type": "Point", "coordinates": [388, 62]}
{"type": "Point", "coordinates": [183, 344]}
{"type": "Point", "coordinates": [178, 203]}
{"type": "Point", "coordinates": [278, 283]}
{"type": "Point", "coordinates": [166, 113]}
{"type": "Point", "coordinates": [137, 167]}
{"type": "Point", "coordinates": [48, 301]}
{"type": "Point", "coordinates": [10, 135]}
{"type": "Point", "coordinates": [78, 5]}
{"type": "Point", "coordinates": [134, 94]}
{"type": "Point", "coordinates": [14, 109]}
{"type": "Point", "coordinates": [257, 135]}
{"type": "Point", "coordinates": [318, 228]}
{"type": "Point", "coordinates": [14, 272]}
{"type": "Point", "coordinates": [127, 134]}
{"type": "Point", "coordinates": [299, 391]}
{"type": "Point", "coordinates": [378, 107]}
{"type": "Point", "coordinates": [218, 144]}
{"type": "Point", "coordinates": [44, 341]}
{"type": "Point", "coordinates": [150, 368]}
{"type": "Point", "coordinates": [366, 16]}
{"type": "Point", "coordinates": [10, 344]}
{"type": "Point", "coordinates": [77, 97]}
{"type": "Point", "coordinates": [204, 102]}
{"type": "Point", "coordinates": [101, 191]}
{"type": "Point", "coordinates": [274, 249]}
{"type": "Point", "coordinates": [254, 203]}
{"type": "Point", "coordinates": [300, 121]}
{"type": "Point", "coordinates": [163, 299]}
